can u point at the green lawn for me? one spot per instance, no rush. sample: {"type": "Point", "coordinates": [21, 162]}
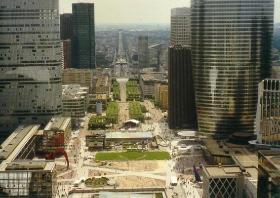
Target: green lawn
{"type": "Point", "coordinates": [132, 155]}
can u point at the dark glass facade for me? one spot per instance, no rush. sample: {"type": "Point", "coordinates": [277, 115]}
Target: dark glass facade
{"type": "Point", "coordinates": [181, 102]}
{"type": "Point", "coordinates": [83, 42]}
{"type": "Point", "coordinates": [66, 29]}
{"type": "Point", "coordinates": [231, 53]}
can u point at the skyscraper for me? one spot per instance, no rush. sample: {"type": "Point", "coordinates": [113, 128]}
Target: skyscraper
{"type": "Point", "coordinates": [181, 102]}
{"type": "Point", "coordinates": [231, 53]}
{"type": "Point", "coordinates": [143, 51]}
{"type": "Point", "coordinates": [30, 78]}
{"type": "Point", "coordinates": [83, 42]}
{"type": "Point", "coordinates": [66, 26]}
{"type": "Point", "coordinates": [180, 26]}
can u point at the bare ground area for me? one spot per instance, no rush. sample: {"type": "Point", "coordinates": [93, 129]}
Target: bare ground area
{"type": "Point", "coordinates": [140, 165]}
{"type": "Point", "coordinates": [138, 182]}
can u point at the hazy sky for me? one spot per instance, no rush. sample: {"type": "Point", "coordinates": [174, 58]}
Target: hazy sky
{"type": "Point", "coordinates": [136, 11]}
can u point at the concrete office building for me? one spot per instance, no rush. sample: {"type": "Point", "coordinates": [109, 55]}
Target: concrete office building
{"type": "Point", "coordinates": [231, 53]}
{"type": "Point", "coordinates": [74, 101]}
{"type": "Point", "coordinates": [161, 95]}
{"type": "Point", "coordinates": [83, 42]}
{"type": "Point", "coordinates": [181, 101]}
{"type": "Point", "coordinates": [143, 51]}
{"type": "Point", "coordinates": [20, 176]}
{"type": "Point", "coordinates": [180, 26]}
{"type": "Point", "coordinates": [58, 128]}
{"type": "Point", "coordinates": [30, 61]}
{"type": "Point", "coordinates": [268, 113]}
{"type": "Point", "coordinates": [26, 178]}
{"type": "Point", "coordinates": [66, 26]}
{"type": "Point", "coordinates": [148, 81]}
{"type": "Point", "coordinates": [83, 77]}
{"type": "Point", "coordinates": [66, 54]}
{"type": "Point", "coordinates": [224, 181]}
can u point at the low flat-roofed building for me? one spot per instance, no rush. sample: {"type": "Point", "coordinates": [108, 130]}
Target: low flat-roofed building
{"type": "Point", "coordinates": [110, 139]}
{"type": "Point", "coordinates": [128, 136]}
{"type": "Point", "coordinates": [27, 178]}
{"type": "Point", "coordinates": [95, 141]}
{"type": "Point", "coordinates": [58, 128]}
{"type": "Point", "coordinates": [19, 144]}
{"type": "Point", "coordinates": [83, 77]}
{"type": "Point", "coordinates": [74, 101]}
{"type": "Point", "coordinates": [269, 173]}
{"type": "Point", "coordinates": [126, 139]}
{"type": "Point", "coordinates": [216, 152]}
{"type": "Point", "coordinates": [223, 181]}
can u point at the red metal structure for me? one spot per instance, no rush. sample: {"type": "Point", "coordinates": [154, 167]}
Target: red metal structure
{"type": "Point", "coordinates": [54, 147]}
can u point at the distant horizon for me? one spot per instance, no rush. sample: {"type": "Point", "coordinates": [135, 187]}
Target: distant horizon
{"type": "Point", "coordinates": [136, 11]}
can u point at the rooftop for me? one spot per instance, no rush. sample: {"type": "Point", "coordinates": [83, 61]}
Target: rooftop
{"type": "Point", "coordinates": [102, 81]}
{"type": "Point", "coordinates": [58, 124]}
{"type": "Point", "coordinates": [74, 91]}
{"type": "Point", "coordinates": [128, 135]}
{"type": "Point", "coordinates": [153, 77]}
{"type": "Point", "coordinates": [13, 144]}
{"type": "Point", "coordinates": [31, 165]}
{"type": "Point", "coordinates": [74, 70]}
{"type": "Point", "coordinates": [222, 171]}
{"type": "Point", "coordinates": [273, 157]}
{"type": "Point", "coordinates": [215, 148]}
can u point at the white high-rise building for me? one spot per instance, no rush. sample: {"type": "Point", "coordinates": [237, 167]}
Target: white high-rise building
{"type": "Point", "coordinates": [180, 26]}
{"type": "Point", "coordinates": [30, 76]}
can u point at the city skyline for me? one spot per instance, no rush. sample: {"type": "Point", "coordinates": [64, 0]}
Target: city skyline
{"type": "Point", "coordinates": [120, 14]}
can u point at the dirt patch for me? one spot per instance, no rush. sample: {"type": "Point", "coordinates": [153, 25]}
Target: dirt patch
{"type": "Point", "coordinates": [138, 182]}
{"type": "Point", "coordinates": [139, 165]}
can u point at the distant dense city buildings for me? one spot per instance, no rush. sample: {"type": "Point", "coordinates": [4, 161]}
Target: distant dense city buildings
{"type": "Point", "coordinates": [83, 41]}
{"type": "Point", "coordinates": [268, 113]}
{"type": "Point", "coordinates": [181, 101]}
{"type": "Point", "coordinates": [30, 62]}
{"type": "Point", "coordinates": [231, 53]}
{"type": "Point", "coordinates": [143, 51]}
{"type": "Point", "coordinates": [180, 30]}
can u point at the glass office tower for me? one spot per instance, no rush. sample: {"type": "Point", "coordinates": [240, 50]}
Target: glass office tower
{"type": "Point", "coordinates": [83, 41]}
{"type": "Point", "coordinates": [231, 53]}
